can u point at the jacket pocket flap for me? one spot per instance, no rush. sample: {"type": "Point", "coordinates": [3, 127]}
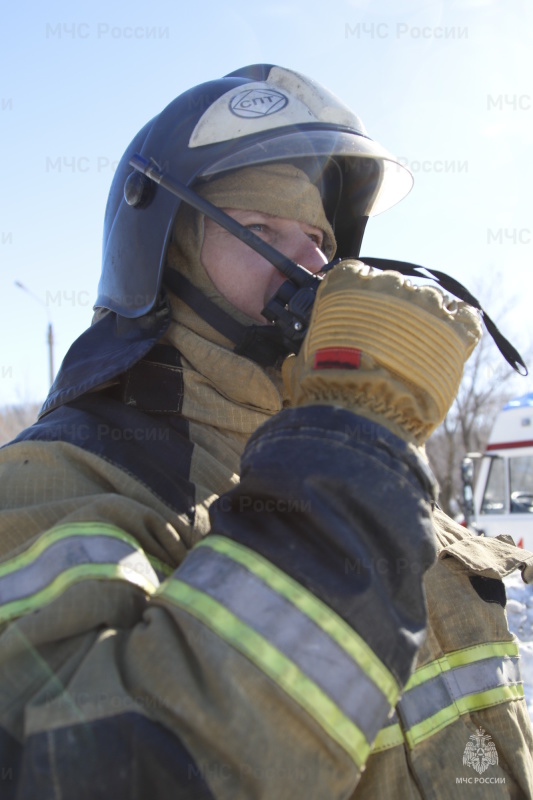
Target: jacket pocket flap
{"type": "Point", "coordinates": [490, 557]}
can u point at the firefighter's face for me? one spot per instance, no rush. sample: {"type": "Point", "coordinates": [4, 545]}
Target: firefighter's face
{"type": "Point", "coordinates": [244, 277]}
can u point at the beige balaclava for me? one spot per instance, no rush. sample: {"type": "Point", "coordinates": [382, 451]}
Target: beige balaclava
{"type": "Point", "coordinates": [227, 396]}
{"type": "Point", "coordinates": [281, 190]}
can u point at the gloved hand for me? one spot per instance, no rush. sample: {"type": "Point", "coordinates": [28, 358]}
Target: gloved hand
{"type": "Point", "coordinates": [383, 348]}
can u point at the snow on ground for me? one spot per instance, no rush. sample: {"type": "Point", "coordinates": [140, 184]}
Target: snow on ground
{"type": "Point", "coordinates": [520, 617]}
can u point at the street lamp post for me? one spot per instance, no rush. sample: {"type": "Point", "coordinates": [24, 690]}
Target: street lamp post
{"type": "Point", "coordinates": [50, 330]}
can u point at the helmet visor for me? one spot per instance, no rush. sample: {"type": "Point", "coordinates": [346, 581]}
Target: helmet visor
{"type": "Point", "coordinates": [374, 180]}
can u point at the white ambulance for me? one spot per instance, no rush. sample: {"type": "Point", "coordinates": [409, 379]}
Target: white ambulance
{"type": "Point", "coordinates": [502, 499]}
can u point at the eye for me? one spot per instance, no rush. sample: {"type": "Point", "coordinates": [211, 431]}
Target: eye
{"type": "Point", "coordinates": [257, 227]}
{"type": "Point", "coordinates": [317, 238]}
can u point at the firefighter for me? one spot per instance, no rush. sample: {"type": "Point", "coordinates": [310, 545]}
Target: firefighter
{"type": "Point", "coordinates": [224, 574]}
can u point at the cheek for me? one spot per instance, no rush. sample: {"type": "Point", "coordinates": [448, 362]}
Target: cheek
{"type": "Point", "coordinates": [225, 263]}
{"type": "Point", "coordinates": [212, 256]}
{"type": "Point", "coordinates": [231, 265]}
{"type": "Point", "coordinates": [239, 274]}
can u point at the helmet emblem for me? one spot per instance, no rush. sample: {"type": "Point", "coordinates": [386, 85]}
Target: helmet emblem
{"type": "Point", "coordinates": [257, 103]}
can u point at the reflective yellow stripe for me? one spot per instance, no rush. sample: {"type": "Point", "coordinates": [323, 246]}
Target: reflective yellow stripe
{"type": "Point", "coordinates": [492, 697]}
{"type": "Point", "coordinates": [459, 658]}
{"type": "Point", "coordinates": [313, 608]}
{"type": "Point", "coordinates": [68, 578]}
{"type": "Point", "coordinates": [388, 737]}
{"type": "Point", "coordinates": [160, 566]}
{"type": "Point", "coordinates": [391, 736]}
{"type": "Point", "coordinates": [63, 532]}
{"type": "Point", "coordinates": [430, 726]}
{"type": "Point", "coordinates": [272, 662]}
{"type": "Point", "coordinates": [69, 554]}
{"type": "Point", "coordinates": [464, 705]}
{"type": "Point", "coordinates": [478, 652]}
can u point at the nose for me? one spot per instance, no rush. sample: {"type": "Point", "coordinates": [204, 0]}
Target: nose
{"type": "Point", "coordinates": [307, 253]}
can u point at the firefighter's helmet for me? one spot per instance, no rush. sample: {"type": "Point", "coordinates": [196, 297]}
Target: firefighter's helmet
{"type": "Point", "coordinates": [256, 115]}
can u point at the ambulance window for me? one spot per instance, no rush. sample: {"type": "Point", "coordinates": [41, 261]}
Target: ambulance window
{"type": "Point", "coordinates": [521, 484]}
{"type": "Point", "coordinates": [494, 495]}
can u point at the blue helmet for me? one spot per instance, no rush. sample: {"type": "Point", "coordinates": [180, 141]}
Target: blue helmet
{"type": "Point", "coordinates": [256, 115]}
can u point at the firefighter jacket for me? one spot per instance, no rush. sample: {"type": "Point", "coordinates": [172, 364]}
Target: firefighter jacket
{"type": "Point", "coordinates": [204, 594]}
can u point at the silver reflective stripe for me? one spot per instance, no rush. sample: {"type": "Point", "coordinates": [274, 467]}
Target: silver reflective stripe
{"type": "Point", "coordinates": [65, 554]}
{"type": "Point", "coordinates": [293, 633]}
{"type": "Point", "coordinates": [427, 699]}
{"type": "Point", "coordinates": [70, 554]}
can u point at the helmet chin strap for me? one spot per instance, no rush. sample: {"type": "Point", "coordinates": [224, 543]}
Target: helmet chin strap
{"type": "Point", "coordinates": [290, 308]}
{"type": "Point", "coordinates": [264, 344]}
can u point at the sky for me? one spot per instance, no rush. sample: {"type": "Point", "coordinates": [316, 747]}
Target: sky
{"type": "Point", "coordinates": [444, 85]}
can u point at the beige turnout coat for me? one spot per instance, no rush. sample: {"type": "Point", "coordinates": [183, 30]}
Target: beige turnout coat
{"type": "Point", "coordinates": [88, 647]}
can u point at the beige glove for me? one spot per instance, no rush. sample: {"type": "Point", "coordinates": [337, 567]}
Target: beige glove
{"type": "Point", "coordinates": [386, 349]}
